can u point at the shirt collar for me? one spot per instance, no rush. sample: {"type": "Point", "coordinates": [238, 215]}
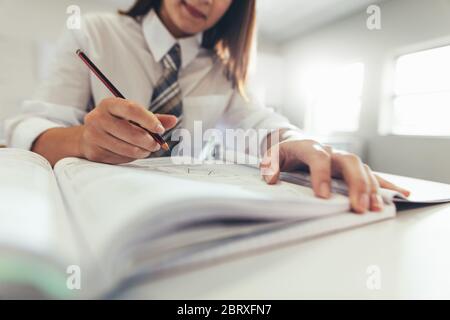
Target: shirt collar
{"type": "Point", "coordinates": [160, 40]}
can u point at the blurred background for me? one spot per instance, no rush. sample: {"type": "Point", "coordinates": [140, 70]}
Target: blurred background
{"type": "Point", "coordinates": [371, 77]}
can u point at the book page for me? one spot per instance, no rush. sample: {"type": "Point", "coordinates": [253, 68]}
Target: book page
{"type": "Point", "coordinates": [33, 222]}
{"type": "Point", "coordinates": [156, 196]}
{"type": "Point", "coordinates": [27, 200]}
{"type": "Point", "coordinates": [422, 191]}
{"type": "Point", "coordinates": [256, 239]}
{"type": "Point", "coordinates": [337, 185]}
{"type": "Point", "coordinates": [150, 215]}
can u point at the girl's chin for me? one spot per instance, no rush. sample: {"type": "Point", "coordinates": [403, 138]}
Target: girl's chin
{"type": "Point", "coordinates": [189, 24]}
{"type": "Point", "coordinates": [189, 29]}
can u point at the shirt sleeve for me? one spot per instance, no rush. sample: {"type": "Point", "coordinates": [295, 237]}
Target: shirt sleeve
{"type": "Point", "coordinates": [60, 101]}
{"type": "Point", "coordinates": [252, 115]}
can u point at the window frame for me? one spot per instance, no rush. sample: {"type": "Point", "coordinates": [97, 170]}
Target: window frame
{"type": "Point", "coordinates": [386, 117]}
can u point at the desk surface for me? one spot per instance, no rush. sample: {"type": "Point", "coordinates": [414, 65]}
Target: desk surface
{"type": "Point", "coordinates": [411, 253]}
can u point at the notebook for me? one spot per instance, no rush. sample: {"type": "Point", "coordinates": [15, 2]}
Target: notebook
{"type": "Point", "coordinates": [119, 226]}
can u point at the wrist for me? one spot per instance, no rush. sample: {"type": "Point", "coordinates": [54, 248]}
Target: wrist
{"type": "Point", "coordinates": [58, 143]}
{"type": "Point", "coordinates": [77, 142]}
{"type": "Point", "coordinates": [292, 135]}
{"type": "Point", "coordinates": [282, 135]}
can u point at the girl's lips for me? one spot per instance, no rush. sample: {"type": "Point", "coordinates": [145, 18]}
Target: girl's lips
{"type": "Point", "coordinates": [193, 11]}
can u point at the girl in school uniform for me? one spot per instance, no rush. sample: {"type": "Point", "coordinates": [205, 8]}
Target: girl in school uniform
{"type": "Point", "coordinates": [177, 61]}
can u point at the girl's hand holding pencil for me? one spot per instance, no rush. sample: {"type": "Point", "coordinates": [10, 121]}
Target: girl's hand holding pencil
{"type": "Point", "coordinates": [109, 137]}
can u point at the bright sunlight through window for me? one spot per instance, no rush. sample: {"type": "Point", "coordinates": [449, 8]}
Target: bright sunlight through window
{"type": "Point", "coordinates": [422, 93]}
{"type": "Point", "coordinates": [334, 98]}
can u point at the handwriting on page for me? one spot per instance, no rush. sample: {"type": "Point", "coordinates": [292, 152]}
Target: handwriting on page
{"type": "Point", "coordinates": [241, 177]}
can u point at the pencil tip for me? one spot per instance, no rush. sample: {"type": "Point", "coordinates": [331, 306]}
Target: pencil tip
{"type": "Point", "coordinates": [165, 146]}
{"type": "Point", "coordinates": [78, 51]}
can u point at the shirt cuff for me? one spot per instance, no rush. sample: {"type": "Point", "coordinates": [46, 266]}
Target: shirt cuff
{"type": "Point", "coordinates": [28, 130]}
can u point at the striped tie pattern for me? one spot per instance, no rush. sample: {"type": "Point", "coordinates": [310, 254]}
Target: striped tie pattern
{"type": "Point", "coordinates": [167, 98]}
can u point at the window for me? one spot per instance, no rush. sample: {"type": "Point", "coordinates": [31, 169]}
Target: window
{"type": "Point", "coordinates": [422, 93]}
{"type": "Point", "coordinates": [267, 79]}
{"type": "Point", "coordinates": [334, 98]}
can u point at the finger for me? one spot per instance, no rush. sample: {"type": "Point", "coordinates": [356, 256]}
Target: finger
{"type": "Point", "coordinates": [317, 158]}
{"type": "Point", "coordinates": [376, 202]}
{"type": "Point", "coordinates": [105, 156]}
{"type": "Point", "coordinates": [132, 111]}
{"type": "Point", "coordinates": [353, 172]}
{"type": "Point", "coordinates": [389, 185]}
{"type": "Point", "coordinates": [328, 149]}
{"type": "Point", "coordinates": [112, 158]}
{"type": "Point", "coordinates": [168, 121]}
{"type": "Point", "coordinates": [270, 166]}
{"type": "Point", "coordinates": [121, 148]}
{"type": "Point", "coordinates": [127, 132]}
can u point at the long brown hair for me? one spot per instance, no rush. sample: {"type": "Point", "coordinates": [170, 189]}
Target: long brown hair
{"type": "Point", "coordinates": [231, 38]}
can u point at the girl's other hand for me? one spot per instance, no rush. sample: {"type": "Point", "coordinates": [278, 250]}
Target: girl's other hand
{"type": "Point", "coordinates": [324, 163]}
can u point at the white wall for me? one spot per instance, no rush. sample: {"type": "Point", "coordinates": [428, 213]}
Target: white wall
{"type": "Point", "coordinates": [406, 25]}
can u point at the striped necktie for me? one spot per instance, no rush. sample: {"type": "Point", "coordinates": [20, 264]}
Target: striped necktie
{"type": "Point", "coordinates": [167, 98]}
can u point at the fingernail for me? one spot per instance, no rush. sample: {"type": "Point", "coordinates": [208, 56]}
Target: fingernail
{"type": "Point", "coordinates": [156, 148]}
{"type": "Point", "coordinates": [364, 202]}
{"type": "Point", "coordinates": [324, 190]}
{"type": "Point", "coordinates": [377, 202]}
{"type": "Point", "coordinates": [160, 129]}
{"type": "Point", "coordinates": [265, 162]}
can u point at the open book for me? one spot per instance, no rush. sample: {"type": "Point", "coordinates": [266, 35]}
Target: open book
{"type": "Point", "coordinates": [118, 226]}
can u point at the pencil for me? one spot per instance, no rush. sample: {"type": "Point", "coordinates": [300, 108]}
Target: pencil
{"type": "Point", "coordinates": [117, 94]}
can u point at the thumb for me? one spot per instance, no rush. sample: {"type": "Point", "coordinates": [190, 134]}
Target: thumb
{"type": "Point", "coordinates": [168, 121]}
{"type": "Point", "coordinates": [270, 166]}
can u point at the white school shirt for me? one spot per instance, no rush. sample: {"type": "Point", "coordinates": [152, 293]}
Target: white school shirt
{"type": "Point", "coordinates": [129, 54]}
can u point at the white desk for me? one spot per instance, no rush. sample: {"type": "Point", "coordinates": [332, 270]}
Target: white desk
{"type": "Point", "coordinates": [412, 252]}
